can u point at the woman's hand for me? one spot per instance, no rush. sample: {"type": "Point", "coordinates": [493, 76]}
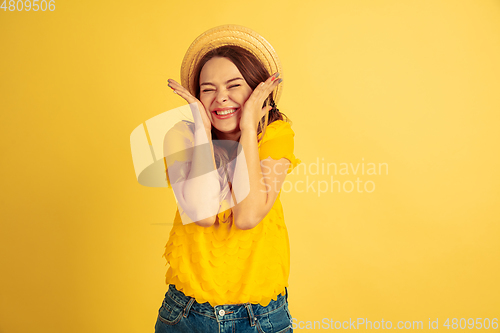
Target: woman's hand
{"type": "Point", "coordinates": [184, 93]}
{"type": "Point", "coordinates": [252, 111]}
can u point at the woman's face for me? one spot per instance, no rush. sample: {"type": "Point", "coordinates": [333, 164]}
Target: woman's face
{"type": "Point", "coordinates": [223, 92]}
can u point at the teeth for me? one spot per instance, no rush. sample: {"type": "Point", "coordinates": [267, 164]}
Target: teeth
{"type": "Point", "coordinates": [221, 113]}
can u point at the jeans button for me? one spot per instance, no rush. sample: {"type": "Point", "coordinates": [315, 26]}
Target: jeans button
{"type": "Point", "coordinates": [222, 313]}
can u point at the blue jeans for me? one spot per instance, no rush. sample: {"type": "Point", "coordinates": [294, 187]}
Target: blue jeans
{"type": "Point", "coordinates": [180, 313]}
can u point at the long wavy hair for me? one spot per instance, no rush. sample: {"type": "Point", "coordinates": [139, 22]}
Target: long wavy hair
{"type": "Point", "coordinates": [254, 72]}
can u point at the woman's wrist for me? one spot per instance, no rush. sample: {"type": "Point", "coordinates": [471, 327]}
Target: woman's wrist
{"type": "Point", "coordinates": [202, 135]}
{"type": "Point", "coordinates": [209, 133]}
{"type": "Point", "coordinates": [249, 132]}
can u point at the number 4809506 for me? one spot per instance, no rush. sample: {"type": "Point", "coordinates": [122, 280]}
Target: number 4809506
{"type": "Point", "coordinates": [26, 5]}
{"type": "Point", "coordinates": [470, 323]}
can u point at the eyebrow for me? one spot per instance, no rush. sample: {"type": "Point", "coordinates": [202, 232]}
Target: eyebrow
{"type": "Point", "coordinates": [228, 81]}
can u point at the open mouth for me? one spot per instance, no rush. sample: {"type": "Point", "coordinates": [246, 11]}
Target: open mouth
{"type": "Point", "coordinates": [225, 112]}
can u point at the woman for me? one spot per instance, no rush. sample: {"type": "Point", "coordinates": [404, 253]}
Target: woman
{"type": "Point", "coordinates": [229, 268]}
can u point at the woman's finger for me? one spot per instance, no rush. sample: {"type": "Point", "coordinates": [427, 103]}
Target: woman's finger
{"type": "Point", "coordinates": [262, 91]}
{"type": "Point", "coordinates": [265, 110]}
{"type": "Point", "coordinates": [184, 95]}
{"type": "Point", "coordinates": [176, 86]}
{"type": "Point", "coordinates": [270, 84]}
{"type": "Point", "coordinates": [181, 91]}
{"type": "Point", "coordinates": [274, 83]}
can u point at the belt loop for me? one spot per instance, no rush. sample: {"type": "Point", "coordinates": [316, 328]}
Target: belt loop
{"type": "Point", "coordinates": [188, 307]}
{"type": "Point", "coordinates": [286, 294]}
{"type": "Point", "coordinates": [253, 319]}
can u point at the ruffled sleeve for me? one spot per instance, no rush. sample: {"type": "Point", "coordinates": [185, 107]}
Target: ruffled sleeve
{"type": "Point", "coordinates": [278, 142]}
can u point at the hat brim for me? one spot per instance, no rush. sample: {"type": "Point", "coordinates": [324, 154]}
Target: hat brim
{"type": "Point", "coordinates": [230, 35]}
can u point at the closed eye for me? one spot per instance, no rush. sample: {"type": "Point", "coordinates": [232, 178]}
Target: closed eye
{"type": "Point", "coordinates": [233, 86]}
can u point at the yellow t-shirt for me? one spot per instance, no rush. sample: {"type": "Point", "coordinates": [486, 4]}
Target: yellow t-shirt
{"type": "Point", "coordinates": [223, 264]}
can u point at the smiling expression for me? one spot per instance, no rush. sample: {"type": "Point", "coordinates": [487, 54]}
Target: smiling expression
{"type": "Point", "coordinates": [223, 92]}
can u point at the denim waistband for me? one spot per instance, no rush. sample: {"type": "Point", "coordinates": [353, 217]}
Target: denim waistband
{"type": "Point", "coordinates": [227, 311]}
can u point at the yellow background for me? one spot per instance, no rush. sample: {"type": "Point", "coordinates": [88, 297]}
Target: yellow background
{"type": "Point", "coordinates": [413, 84]}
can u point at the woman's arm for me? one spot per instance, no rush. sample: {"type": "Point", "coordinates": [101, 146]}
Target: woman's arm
{"type": "Point", "coordinates": [255, 206]}
{"type": "Point", "coordinates": [195, 180]}
{"type": "Point", "coordinates": [265, 179]}
{"type": "Point", "coordinates": [201, 190]}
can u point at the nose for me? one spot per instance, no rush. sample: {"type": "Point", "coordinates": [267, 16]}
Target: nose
{"type": "Point", "coordinates": [222, 96]}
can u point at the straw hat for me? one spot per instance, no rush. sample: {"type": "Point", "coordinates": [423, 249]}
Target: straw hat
{"type": "Point", "coordinates": [230, 34]}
